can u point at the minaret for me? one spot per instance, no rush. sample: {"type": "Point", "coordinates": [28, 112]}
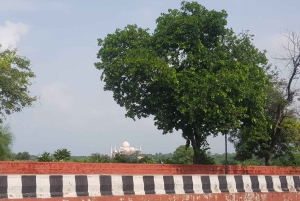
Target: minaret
{"type": "Point", "coordinates": [140, 149]}
{"type": "Point", "coordinates": [111, 153]}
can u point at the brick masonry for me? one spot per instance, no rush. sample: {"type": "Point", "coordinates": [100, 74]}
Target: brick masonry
{"type": "Point", "coordinates": [68, 186]}
{"type": "Point", "coordinates": [9, 167]}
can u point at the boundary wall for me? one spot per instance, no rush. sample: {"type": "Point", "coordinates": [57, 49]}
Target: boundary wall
{"type": "Point", "coordinates": [121, 168]}
{"type": "Point", "coordinates": [68, 181]}
{"type": "Point", "coordinates": [149, 187]}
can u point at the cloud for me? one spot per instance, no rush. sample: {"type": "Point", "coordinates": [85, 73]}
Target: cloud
{"type": "Point", "coordinates": [67, 108]}
{"type": "Point", "coordinates": [28, 6]}
{"type": "Point", "coordinates": [17, 5]}
{"type": "Point", "coordinates": [10, 33]}
{"type": "Point", "coordinates": [55, 96]}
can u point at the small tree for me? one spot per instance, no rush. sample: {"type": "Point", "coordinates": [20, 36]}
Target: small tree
{"type": "Point", "coordinates": [45, 157]}
{"type": "Point", "coordinates": [22, 156]}
{"type": "Point", "coordinates": [281, 133]}
{"type": "Point", "coordinates": [15, 75]}
{"type": "Point", "coordinates": [183, 155]}
{"type": "Point", "coordinates": [62, 155]}
{"type": "Point", "coordinates": [5, 142]}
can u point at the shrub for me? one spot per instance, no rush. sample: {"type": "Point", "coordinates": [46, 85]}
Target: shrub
{"type": "Point", "coordinates": [62, 155]}
{"type": "Point", "coordinates": [45, 157]}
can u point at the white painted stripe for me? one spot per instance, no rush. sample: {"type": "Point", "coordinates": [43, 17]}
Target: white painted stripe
{"type": "Point", "coordinates": [14, 186]}
{"type": "Point", "coordinates": [117, 185]}
{"type": "Point", "coordinates": [138, 183]}
{"type": "Point", "coordinates": [290, 183]}
{"type": "Point", "coordinates": [197, 184]}
{"type": "Point", "coordinates": [276, 183]}
{"type": "Point", "coordinates": [262, 183]}
{"type": "Point", "coordinates": [231, 185]}
{"type": "Point", "coordinates": [69, 186]}
{"type": "Point", "coordinates": [43, 186]}
{"type": "Point", "coordinates": [159, 185]}
{"type": "Point", "coordinates": [247, 183]}
{"type": "Point", "coordinates": [93, 185]}
{"type": "Point", "coordinates": [178, 184]}
{"type": "Point", "coordinates": [214, 184]}
{"type": "Point", "coordinates": [296, 184]}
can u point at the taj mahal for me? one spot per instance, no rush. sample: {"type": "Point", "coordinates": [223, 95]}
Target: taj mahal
{"type": "Point", "coordinates": [125, 149]}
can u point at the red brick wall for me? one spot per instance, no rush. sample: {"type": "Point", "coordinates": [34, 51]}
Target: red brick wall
{"type": "Point", "coordinates": [119, 168]}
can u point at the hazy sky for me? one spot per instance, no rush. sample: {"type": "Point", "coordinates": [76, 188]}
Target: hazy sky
{"type": "Point", "coordinates": [60, 39]}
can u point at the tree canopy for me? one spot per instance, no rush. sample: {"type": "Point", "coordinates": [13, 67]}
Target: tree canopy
{"type": "Point", "coordinates": [15, 78]}
{"type": "Point", "coordinates": [281, 134]}
{"type": "Point", "coordinates": [192, 74]}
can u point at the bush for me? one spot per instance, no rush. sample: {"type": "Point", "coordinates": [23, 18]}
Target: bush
{"type": "Point", "coordinates": [62, 155]}
{"type": "Point", "coordinates": [99, 158]}
{"type": "Point", "coordinates": [145, 159]}
{"type": "Point", "coordinates": [183, 155]}
{"type": "Point", "coordinates": [121, 158]}
{"type": "Point", "coordinates": [22, 156]}
{"type": "Point", "coordinates": [45, 157]}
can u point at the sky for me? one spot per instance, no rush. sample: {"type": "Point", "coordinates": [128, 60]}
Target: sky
{"type": "Point", "coordinates": [60, 39]}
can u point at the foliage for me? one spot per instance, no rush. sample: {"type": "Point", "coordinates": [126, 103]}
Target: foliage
{"type": "Point", "coordinates": [15, 75]}
{"type": "Point", "coordinates": [121, 158]}
{"type": "Point", "coordinates": [145, 159]}
{"type": "Point", "coordinates": [162, 158]}
{"type": "Point", "coordinates": [219, 159]}
{"type": "Point", "coordinates": [192, 74]}
{"type": "Point", "coordinates": [183, 155]}
{"type": "Point", "coordinates": [251, 162]}
{"type": "Point", "coordinates": [6, 138]}
{"type": "Point", "coordinates": [62, 155]}
{"type": "Point", "coordinates": [22, 156]}
{"type": "Point", "coordinates": [44, 157]}
{"type": "Point", "coordinates": [98, 158]}
{"type": "Point", "coordinates": [161, 155]}
{"type": "Point", "coordinates": [281, 134]}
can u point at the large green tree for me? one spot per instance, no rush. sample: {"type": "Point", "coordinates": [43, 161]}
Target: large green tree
{"type": "Point", "coordinates": [192, 74]}
{"type": "Point", "coordinates": [281, 134]}
{"type": "Point", "coordinates": [15, 78]}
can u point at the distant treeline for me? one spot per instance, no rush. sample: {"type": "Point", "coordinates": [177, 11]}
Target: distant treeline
{"type": "Point", "coordinates": [181, 155]}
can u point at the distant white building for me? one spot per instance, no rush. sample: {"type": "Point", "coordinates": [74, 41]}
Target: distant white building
{"type": "Point", "coordinates": [125, 149]}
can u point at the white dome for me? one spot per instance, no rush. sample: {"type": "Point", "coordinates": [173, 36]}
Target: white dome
{"type": "Point", "coordinates": [126, 144]}
{"type": "Point", "coordinates": [132, 149]}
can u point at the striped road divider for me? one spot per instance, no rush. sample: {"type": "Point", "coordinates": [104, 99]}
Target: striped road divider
{"type": "Point", "coordinates": [54, 186]}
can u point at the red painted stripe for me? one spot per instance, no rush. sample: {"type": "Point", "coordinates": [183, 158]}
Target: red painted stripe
{"type": "Point", "coordinates": [194, 197]}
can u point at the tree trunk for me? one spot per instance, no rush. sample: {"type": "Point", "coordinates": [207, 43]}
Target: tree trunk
{"type": "Point", "coordinates": [198, 143]}
{"type": "Point", "coordinates": [268, 159]}
{"type": "Point", "coordinates": [197, 152]}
